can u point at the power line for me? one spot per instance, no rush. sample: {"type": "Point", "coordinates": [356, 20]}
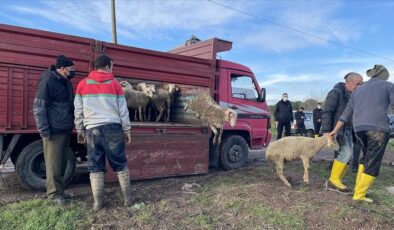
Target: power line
{"type": "Point", "coordinates": [300, 31]}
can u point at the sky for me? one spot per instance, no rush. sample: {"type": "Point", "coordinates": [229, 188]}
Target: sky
{"type": "Point", "coordinates": [283, 60]}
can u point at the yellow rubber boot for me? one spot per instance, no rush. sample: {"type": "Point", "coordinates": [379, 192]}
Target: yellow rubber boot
{"type": "Point", "coordinates": [362, 185]}
{"type": "Point", "coordinates": [337, 173]}
{"type": "Point", "coordinates": [359, 172]}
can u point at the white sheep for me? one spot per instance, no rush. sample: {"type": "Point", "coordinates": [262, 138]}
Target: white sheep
{"type": "Point", "coordinates": [163, 99]}
{"type": "Point", "coordinates": [137, 99]}
{"type": "Point", "coordinates": [212, 114]}
{"type": "Point", "coordinates": [199, 103]}
{"type": "Point", "coordinates": [215, 117]}
{"type": "Point", "coordinates": [291, 148]}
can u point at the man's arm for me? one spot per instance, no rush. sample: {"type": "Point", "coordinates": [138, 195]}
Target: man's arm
{"type": "Point", "coordinates": [329, 110]}
{"type": "Point", "coordinates": [40, 109]}
{"type": "Point", "coordinates": [123, 110]}
{"type": "Point", "coordinates": [348, 112]}
{"type": "Point", "coordinates": [291, 113]}
{"type": "Point", "coordinates": [276, 112]}
{"type": "Point", "coordinates": [78, 109]}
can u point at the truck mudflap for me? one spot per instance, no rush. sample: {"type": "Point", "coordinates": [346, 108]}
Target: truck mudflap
{"type": "Point", "coordinates": [165, 150]}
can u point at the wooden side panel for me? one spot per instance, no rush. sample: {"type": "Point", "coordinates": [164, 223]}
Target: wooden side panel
{"type": "Point", "coordinates": [164, 152]}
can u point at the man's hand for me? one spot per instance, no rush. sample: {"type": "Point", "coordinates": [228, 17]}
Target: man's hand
{"type": "Point", "coordinates": [127, 136]}
{"type": "Point", "coordinates": [81, 137]}
{"type": "Point", "coordinates": [276, 124]}
{"type": "Point", "coordinates": [46, 138]}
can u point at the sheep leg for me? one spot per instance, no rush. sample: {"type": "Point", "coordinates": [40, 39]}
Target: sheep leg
{"type": "Point", "coordinates": [168, 110]}
{"type": "Point", "coordinates": [140, 113]}
{"type": "Point", "coordinates": [215, 131]}
{"type": "Point", "coordinates": [220, 136]}
{"type": "Point", "coordinates": [160, 114]}
{"type": "Point", "coordinates": [135, 114]}
{"type": "Point", "coordinates": [186, 106]}
{"type": "Point", "coordinates": [306, 170]}
{"type": "Point", "coordinates": [279, 171]}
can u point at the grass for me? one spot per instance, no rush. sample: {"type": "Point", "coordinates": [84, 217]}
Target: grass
{"type": "Point", "coordinates": [42, 214]}
{"type": "Point", "coordinates": [390, 145]}
{"type": "Point", "coordinates": [286, 220]}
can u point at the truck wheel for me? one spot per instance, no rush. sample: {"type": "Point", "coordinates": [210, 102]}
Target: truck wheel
{"type": "Point", "coordinates": [30, 167]}
{"type": "Point", "coordinates": [234, 152]}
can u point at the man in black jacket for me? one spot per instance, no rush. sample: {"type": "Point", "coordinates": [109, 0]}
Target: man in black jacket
{"type": "Point", "coordinates": [54, 114]}
{"type": "Point", "coordinates": [300, 118]}
{"type": "Point", "coordinates": [317, 118]}
{"type": "Point", "coordinates": [283, 116]}
{"type": "Point", "coordinates": [335, 104]}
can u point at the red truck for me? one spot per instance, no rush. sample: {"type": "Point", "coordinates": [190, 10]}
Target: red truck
{"type": "Point", "coordinates": [180, 147]}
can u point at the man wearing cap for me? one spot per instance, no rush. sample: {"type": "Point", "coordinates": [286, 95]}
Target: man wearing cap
{"type": "Point", "coordinates": [54, 114]}
{"type": "Point", "coordinates": [335, 104]}
{"type": "Point", "coordinates": [367, 108]}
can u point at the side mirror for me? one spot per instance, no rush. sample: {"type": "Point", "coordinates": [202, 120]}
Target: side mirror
{"type": "Point", "coordinates": [262, 95]}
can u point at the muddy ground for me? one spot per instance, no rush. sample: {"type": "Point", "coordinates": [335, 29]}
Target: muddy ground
{"type": "Point", "coordinates": [248, 198]}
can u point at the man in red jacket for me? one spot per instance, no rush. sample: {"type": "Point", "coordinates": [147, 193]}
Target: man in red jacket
{"type": "Point", "coordinates": [102, 120]}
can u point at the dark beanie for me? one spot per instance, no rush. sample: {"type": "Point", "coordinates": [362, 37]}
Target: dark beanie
{"type": "Point", "coordinates": [63, 61]}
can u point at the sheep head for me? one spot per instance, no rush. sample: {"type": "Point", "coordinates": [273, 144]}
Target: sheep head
{"type": "Point", "coordinates": [331, 142]}
{"type": "Point", "coordinates": [171, 88]}
{"type": "Point", "coordinates": [230, 116]}
{"type": "Point", "coordinates": [147, 89]}
{"type": "Point", "coordinates": [126, 85]}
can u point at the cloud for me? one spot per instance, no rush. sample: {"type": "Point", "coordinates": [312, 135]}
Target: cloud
{"type": "Point", "coordinates": [317, 18]}
{"type": "Point", "coordinates": [135, 19]}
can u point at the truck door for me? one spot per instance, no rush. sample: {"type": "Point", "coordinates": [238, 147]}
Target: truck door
{"type": "Point", "coordinates": [243, 98]}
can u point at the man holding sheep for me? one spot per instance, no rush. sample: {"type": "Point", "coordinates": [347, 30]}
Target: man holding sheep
{"type": "Point", "coordinates": [102, 120]}
{"type": "Point", "coordinates": [335, 104]}
{"type": "Point", "coordinates": [367, 108]}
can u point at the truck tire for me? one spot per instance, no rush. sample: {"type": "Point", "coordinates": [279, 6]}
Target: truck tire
{"type": "Point", "coordinates": [233, 152]}
{"type": "Point", "coordinates": [30, 167]}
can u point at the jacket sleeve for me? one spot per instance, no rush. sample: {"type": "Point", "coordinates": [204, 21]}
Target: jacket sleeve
{"type": "Point", "coordinates": [348, 112]}
{"type": "Point", "coordinates": [291, 113]}
{"type": "Point", "coordinates": [78, 108]}
{"type": "Point", "coordinates": [40, 108]}
{"type": "Point", "coordinates": [329, 110]}
{"type": "Point", "coordinates": [123, 110]}
{"type": "Point", "coordinates": [314, 115]}
{"type": "Point", "coordinates": [276, 112]}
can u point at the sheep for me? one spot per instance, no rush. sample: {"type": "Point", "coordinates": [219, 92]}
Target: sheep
{"type": "Point", "coordinates": [215, 117]}
{"type": "Point", "coordinates": [137, 99]}
{"type": "Point", "coordinates": [291, 148]}
{"type": "Point", "coordinates": [163, 99]}
{"type": "Point", "coordinates": [198, 104]}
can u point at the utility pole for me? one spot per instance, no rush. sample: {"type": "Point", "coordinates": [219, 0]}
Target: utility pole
{"type": "Point", "coordinates": [114, 37]}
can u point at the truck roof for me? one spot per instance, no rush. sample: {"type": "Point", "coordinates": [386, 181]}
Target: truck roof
{"type": "Point", "coordinates": [233, 65]}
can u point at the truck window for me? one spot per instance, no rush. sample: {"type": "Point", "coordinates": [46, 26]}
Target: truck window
{"type": "Point", "coordinates": [243, 87]}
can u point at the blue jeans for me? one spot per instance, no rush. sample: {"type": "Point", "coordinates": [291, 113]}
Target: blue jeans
{"type": "Point", "coordinates": [106, 141]}
{"type": "Point", "coordinates": [345, 151]}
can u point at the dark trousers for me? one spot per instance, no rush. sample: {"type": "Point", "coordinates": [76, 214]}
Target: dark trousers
{"type": "Point", "coordinates": [317, 126]}
{"type": "Point", "coordinates": [55, 155]}
{"type": "Point", "coordinates": [282, 125]}
{"type": "Point", "coordinates": [106, 141]}
{"type": "Point", "coordinates": [373, 144]}
{"type": "Point", "coordinates": [356, 154]}
{"type": "Point", "coordinates": [301, 129]}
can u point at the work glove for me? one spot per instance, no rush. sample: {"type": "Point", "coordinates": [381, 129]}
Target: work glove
{"type": "Point", "coordinates": [127, 136]}
{"type": "Point", "coordinates": [81, 136]}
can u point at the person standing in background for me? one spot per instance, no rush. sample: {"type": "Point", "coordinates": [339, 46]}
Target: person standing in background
{"type": "Point", "coordinates": [283, 116]}
{"type": "Point", "coordinates": [317, 118]}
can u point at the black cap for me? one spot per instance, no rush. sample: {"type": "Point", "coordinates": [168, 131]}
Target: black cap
{"type": "Point", "coordinates": [63, 61]}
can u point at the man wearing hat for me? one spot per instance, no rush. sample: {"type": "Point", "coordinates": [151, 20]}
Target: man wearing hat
{"type": "Point", "coordinates": [54, 114]}
{"type": "Point", "coordinates": [335, 104]}
{"type": "Point", "coordinates": [367, 108]}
